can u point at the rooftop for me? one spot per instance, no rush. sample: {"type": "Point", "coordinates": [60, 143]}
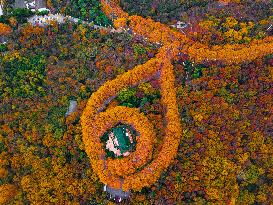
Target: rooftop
{"type": "Point", "coordinates": [120, 140]}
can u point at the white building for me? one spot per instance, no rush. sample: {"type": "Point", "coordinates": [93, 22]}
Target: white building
{"type": "Point", "coordinates": [36, 5]}
{"type": "Point", "coordinates": [43, 9]}
{"type": "Point", "coordinates": [30, 5]}
{"type": "Point", "coordinates": [180, 25]}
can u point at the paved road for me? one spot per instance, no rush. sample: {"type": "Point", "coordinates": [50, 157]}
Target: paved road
{"type": "Point", "coordinates": [40, 4]}
{"type": "Point", "coordinates": [19, 4]}
{"type": "Point", "coordinates": [114, 193]}
{"type": "Point", "coordinates": [61, 19]}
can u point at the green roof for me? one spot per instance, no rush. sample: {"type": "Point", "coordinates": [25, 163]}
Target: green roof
{"type": "Point", "coordinates": [123, 140]}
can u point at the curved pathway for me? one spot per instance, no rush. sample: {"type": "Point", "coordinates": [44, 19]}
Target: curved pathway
{"type": "Point", "coordinates": [198, 52]}
{"type": "Point", "coordinates": [174, 43]}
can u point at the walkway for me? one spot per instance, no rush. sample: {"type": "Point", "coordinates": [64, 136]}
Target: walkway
{"type": "Point", "coordinates": [43, 20]}
{"type": "Point", "coordinates": [1, 10]}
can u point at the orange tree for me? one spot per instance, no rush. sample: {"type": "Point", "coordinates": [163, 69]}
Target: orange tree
{"type": "Point", "coordinates": [174, 43]}
{"type": "Point", "coordinates": [198, 52]}
{"type": "Point", "coordinates": [94, 124]}
{"type": "Point", "coordinates": [63, 82]}
{"type": "Point", "coordinates": [4, 29]}
{"type": "Point", "coordinates": [8, 191]}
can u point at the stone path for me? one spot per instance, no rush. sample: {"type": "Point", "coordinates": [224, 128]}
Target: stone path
{"type": "Point", "coordinates": [1, 10]}
{"type": "Point", "coordinates": [72, 107]}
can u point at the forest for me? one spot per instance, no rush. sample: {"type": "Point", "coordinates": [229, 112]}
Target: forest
{"type": "Point", "coordinates": [199, 99]}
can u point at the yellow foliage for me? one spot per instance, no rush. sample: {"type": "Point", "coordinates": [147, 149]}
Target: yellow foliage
{"type": "Point", "coordinates": [207, 24]}
{"type": "Point", "coordinates": [94, 125]}
{"type": "Point", "coordinates": [243, 157]}
{"type": "Point", "coordinates": [5, 29]}
{"type": "Point", "coordinates": [146, 88]}
{"type": "Point", "coordinates": [3, 173]}
{"type": "Point", "coordinates": [261, 197]}
{"type": "Point", "coordinates": [264, 22]}
{"type": "Point", "coordinates": [230, 22]}
{"type": "Point", "coordinates": [8, 191]}
{"type": "Point", "coordinates": [13, 21]}
{"type": "Point", "coordinates": [120, 23]}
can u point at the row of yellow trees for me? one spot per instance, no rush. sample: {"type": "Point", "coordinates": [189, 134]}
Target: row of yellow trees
{"type": "Point", "coordinates": [123, 172]}
{"type": "Point", "coordinates": [119, 167]}
{"type": "Point", "coordinates": [94, 124]}
{"type": "Point", "coordinates": [198, 52]}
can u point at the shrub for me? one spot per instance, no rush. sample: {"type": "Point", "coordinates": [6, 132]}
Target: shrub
{"type": "Point", "coordinates": [42, 13]}
{"type": "Point", "coordinates": [21, 14]}
{"type": "Point", "coordinates": [127, 97]}
{"type": "Point", "coordinates": [85, 10]}
{"type": "Point", "coordinates": [21, 76]}
{"type": "Point", "coordinates": [3, 47]}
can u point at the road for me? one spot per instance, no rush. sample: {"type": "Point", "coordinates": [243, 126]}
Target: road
{"type": "Point", "coordinates": [61, 19]}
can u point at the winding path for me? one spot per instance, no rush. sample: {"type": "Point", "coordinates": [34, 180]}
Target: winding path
{"type": "Point", "coordinates": [174, 43]}
{"type": "Point", "coordinates": [198, 52]}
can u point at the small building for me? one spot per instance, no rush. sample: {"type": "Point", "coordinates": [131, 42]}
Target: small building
{"type": "Point", "coordinates": [180, 25]}
{"type": "Point", "coordinates": [120, 140]}
{"type": "Point", "coordinates": [30, 5]}
{"type": "Point", "coordinates": [43, 9]}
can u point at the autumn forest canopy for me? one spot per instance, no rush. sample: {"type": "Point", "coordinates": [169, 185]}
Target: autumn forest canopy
{"type": "Point", "coordinates": [184, 88]}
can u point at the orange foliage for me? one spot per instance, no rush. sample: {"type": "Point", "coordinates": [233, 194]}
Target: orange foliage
{"type": "Point", "coordinates": [49, 4]}
{"type": "Point", "coordinates": [151, 173]}
{"type": "Point", "coordinates": [111, 88]}
{"type": "Point", "coordinates": [4, 29]}
{"type": "Point", "coordinates": [118, 167]}
{"type": "Point", "coordinates": [32, 30]}
{"type": "Point", "coordinates": [94, 125]}
{"type": "Point", "coordinates": [8, 191]}
{"type": "Point", "coordinates": [3, 173]}
{"type": "Point", "coordinates": [122, 172]}
{"type": "Point", "coordinates": [231, 54]}
{"type": "Point", "coordinates": [158, 32]}
{"type": "Point", "coordinates": [120, 23]}
{"type": "Point", "coordinates": [29, 32]}
{"type": "Point", "coordinates": [112, 9]}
